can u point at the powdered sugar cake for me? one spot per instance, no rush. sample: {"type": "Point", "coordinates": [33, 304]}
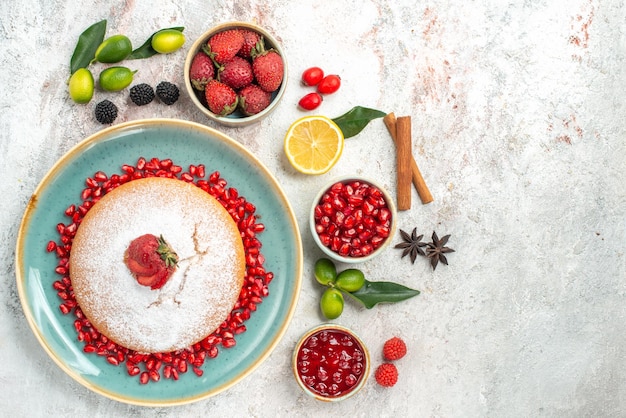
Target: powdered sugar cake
{"type": "Point", "coordinates": [197, 297]}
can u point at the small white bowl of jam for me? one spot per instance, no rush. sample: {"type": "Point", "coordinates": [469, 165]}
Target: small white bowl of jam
{"type": "Point", "coordinates": [331, 363]}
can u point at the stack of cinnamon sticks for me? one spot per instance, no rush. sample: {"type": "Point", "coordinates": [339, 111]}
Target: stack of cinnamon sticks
{"type": "Point", "coordinates": [407, 170]}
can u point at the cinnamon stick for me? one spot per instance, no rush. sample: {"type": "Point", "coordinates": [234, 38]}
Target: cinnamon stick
{"type": "Point", "coordinates": [403, 157]}
{"type": "Point", "coordinates": [418, 181]}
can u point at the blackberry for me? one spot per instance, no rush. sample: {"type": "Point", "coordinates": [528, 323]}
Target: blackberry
{"type": "Point", "coordinates": [106, 112]}
{"type": "Point", "coordinates": [141, 94]}
{"type": "Point", "coordinates": [167, 92]}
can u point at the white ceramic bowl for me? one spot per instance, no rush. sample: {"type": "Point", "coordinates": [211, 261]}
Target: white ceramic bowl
{"type": "Point", "coordinates": [237, 118]}
{"type": "Point", "coordinates": [300, 363]}
{"type": "Point", "coordinates": [327, 249]}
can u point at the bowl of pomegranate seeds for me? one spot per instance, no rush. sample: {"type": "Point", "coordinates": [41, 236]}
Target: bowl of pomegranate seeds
{"type": "Point", "coordinates": [353, 219]}
{"type": "Point", "coordinates": [330, 363]}
{"type": "Point", "coordinates": [235, 73]}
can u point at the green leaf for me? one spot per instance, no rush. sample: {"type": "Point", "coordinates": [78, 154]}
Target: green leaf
{"type": "Point", "coordinates": [373, 293]}
{"type": "Point", "coordinates": [88, 43]}
{"type": "Point", "coordinates": [357, 118]}
{"type": "Point", "coordinates": [146, 50]}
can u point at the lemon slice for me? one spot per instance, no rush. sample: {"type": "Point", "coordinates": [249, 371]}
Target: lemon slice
{"type": "Point", "coordinates": [313, 144]}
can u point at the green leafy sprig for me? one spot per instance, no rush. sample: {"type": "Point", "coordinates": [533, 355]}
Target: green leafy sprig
{"type": "Point", "coordinates": [146, 50]}
{"type": "Point", "coordinates": [93, 36]}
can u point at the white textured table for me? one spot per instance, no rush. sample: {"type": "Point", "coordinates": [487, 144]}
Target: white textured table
{"type": "Point", "coordinates": [519, 129]}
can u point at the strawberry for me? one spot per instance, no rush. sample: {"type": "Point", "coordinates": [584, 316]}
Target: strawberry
{"type": "Point", "coordinates": [268, 67]}
{"type": "Point", "coordinates": [250, 41]}
{"type": "Point", "coordinates": [201, 71]}
{"type": "Point", "coordinates": [221, 99]}
{"type": "Point", "coordinates": [141, 269]}
{"type": "Point", "coordinates": [223, 46]}
{"type": "Point", "coordinates": [150, 260]}
{"type": "Point", "coordinates": [253, 99]}
{"type": "Point", "coordinates": [236, 73]}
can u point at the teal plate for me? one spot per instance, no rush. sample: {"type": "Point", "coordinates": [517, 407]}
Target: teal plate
{"type": "Point", "coordinates": [185, 143]}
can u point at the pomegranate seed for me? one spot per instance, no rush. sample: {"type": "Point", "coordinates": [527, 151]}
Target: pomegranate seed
{"type": "Point", "coordinates": [88, 348]}
{"type": "Point", "coordinates": [154, 375]}
{"type": "Point", "coordinates": [367, 249]}
{"type": "Point", "coordinates": [91, 183]}
{"type": "Point", "coordinates": [229, 342]}
{"type": "Point", "coordinates": [101, 176]}
{"type": "Point", "coordinates": [382, 231]}
{"type": "Point", "coordinates": [51, 246]}
{"type": "Point", "coordinates": [70, 229]}
{"type": "Point", "coordinates": [113, 360]}
{"type": "Point", "coordinates": [144, 378]}
{"type": "Point", "coordinates": [70, 210]}
{"type": "Point", "coordinates": [167, 371]}
{"type": "Point", "coordinates": [344, 250]}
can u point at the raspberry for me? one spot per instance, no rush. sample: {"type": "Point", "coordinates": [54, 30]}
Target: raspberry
{"type": "Point", "coordinates": [386, 375]}
{"type": "Point", "coordinates": [394, 349]}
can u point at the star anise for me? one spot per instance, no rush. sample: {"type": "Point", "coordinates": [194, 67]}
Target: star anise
{"type": "Point", "coordinates": [436, 249]}
{"type": "Point", "coordinates": [412, 244]}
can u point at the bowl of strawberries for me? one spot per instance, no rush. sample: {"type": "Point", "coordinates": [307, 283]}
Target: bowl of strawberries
{"type": "Point", "coordinates": [235, 73]}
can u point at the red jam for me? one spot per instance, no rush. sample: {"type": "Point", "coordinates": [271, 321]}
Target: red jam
{"type": "Point", "coordinates": [331, 363]}
{"type": "Point", "coordinates": [352, 218]}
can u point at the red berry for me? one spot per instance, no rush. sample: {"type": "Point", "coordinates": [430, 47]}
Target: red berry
{"type": "Point", "coordinates": [221, 99]}
{"type": "Point", "coordinates": [329, 84]}
{"type": "Point", "coordinates": [250, 41]}
{"type": "Point", "coordinates": [236, 73]}
{"type": "Point", "coordinates": [253, 99]}
{"type": "Point", "coordinates": [310, 101]}
{"type": "Point", "coordinates": [268, 68]}
{"type": "Point", "coordinates": [386, 375]}
{"type": "Point", "coordinates": [394, 349]}
{"type": "Point", "coordinates": [312, 76]}
{"type": "Point", "coordinates": [223, 46]}
{"type": "Point", "coordinates": [201, 70]}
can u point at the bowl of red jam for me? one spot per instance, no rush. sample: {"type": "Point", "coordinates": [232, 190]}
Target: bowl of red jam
{"type": "Point", "coordinates": [353, 219]}
{"type": "Point", "coordinates": [331, 363]}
